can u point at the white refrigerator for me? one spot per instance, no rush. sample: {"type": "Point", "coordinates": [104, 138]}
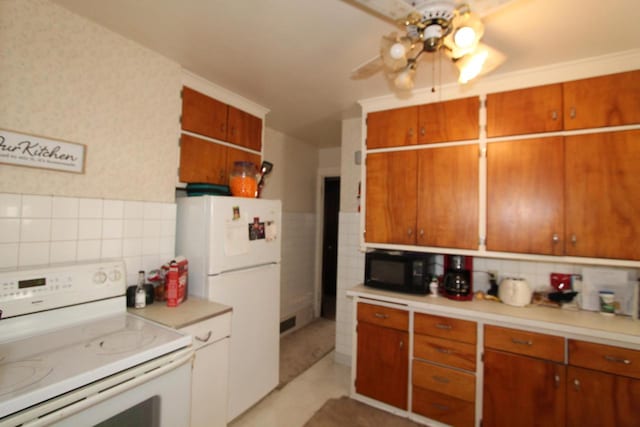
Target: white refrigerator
{"type": "Point", "coordinates": [233, 248]}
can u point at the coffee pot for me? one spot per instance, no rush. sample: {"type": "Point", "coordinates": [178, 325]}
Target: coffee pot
{"type": "Point", "coordinates": [457, 278]}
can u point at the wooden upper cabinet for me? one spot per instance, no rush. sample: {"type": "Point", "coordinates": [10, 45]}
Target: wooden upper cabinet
{"type": "Point", "coordinates": [203, 115]}
{"type": "Point", "coordinates": [392, 128]}
{"type": "Point", "coordinates": [455, 120]}
{"type": "Point", "coordinates": [390, 215]}
{"type": "Point", "coordinates": [245, 129]}
{"type": "Point", "coordinates": [602, 188]}
{"type": "Point", "coordinates": [202, 161]}
{"type": "Point", "coordinates": [448, 197]}
{"type": "Point", "coordinates": [610, 100]}
{"type": "Point", "coordinates": [525, 198]}
{"type": "Point", "coordinates": [532, 110]}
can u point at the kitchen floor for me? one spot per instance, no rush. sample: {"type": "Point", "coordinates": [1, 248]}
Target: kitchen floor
{"type": "Point", "coordinates": [296, 402]}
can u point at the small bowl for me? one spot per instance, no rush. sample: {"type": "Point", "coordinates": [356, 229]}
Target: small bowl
{"type": "Point", "coordinates": [562, 296]}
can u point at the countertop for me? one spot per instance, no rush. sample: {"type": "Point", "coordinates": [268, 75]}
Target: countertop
{"type": "Point", "coordinates": [191, 311]}
{"type": "Point", "coordinates": [580, 324]}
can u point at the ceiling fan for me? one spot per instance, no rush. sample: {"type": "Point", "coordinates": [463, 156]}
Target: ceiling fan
{"type": "Point", "coordinates": [449, 26]}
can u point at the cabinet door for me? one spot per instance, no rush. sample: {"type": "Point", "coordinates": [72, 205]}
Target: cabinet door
{"type": "Point", "coordinates": [601, 400]}
{"type": "Point", "coordinates": [391, 197]}
{"type": "Point", "coordinates": [448, 197]}
{"type": "Point", "coordinates": [602, 188]}
{"type": "Point", "coordinates": [522, 111]}
{"type": "Point", "coordinates": [392, 128]}
{"type": "Point", "coordinates": [602, 101]}
{"type": "Point", "coordinates": [455, 120]}
{"type": "Point", "coordinates": [525, 197]}
{"type": "Point", "coordinates": [522, 391]}
{"type": "Point", "coordinates": [245, 129]}
{"type": "Point", "coordinates": [383, 364]}
{"type": "Point", "coordinates": [202, 161]}
{"type": "Point", "coordinates": [203, 115]}
{"type": "Point", "coordinates": [209, 385]}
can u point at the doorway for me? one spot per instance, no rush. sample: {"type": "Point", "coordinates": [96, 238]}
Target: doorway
{"type": "Point", "coordinates": [331, 208]}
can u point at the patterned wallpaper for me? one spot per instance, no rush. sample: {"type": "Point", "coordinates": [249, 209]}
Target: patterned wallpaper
{"type": "Point", "coordinates": [66, 78]}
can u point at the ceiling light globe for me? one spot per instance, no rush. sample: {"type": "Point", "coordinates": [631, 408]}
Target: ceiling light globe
{"type": "Point", "coordinates": [464, 37]}
{"type": "Point", "coordinates": [404, 79]}
{"type": "Point", "coordinates": [397, 51]}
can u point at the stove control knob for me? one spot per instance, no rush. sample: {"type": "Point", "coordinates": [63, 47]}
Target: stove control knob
{"type": "Point", "coordinates": [115, 275]}
{"type": "Point", "coordinates": [99, 277]}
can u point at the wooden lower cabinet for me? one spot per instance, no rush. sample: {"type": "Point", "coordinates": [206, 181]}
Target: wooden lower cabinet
{"type": "Point", "coordinates": [446, 409]}
{"type": "Point", "coordinates": [598, 399]}
{"type": "Point", "coordinates": [382, 369]}
{"type": "Point", "coordinates": [523, 391]}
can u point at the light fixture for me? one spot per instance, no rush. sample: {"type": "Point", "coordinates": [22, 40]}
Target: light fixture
{"type": "Point", "coordinates": [432, 26]}
{"type": "Point", "coordinates": [482, 60]}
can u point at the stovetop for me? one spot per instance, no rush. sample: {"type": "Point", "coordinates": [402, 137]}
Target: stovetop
{"type": "Point", "coordinates": [67, 327]}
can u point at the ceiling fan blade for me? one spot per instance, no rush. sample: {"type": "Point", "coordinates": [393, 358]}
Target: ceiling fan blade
{"type": "Point", "coordinates": [485, 7]}
{"type": "Point", "coordinates": [394, 9]}
{"type": "Point", "coordinates": [367, 69]}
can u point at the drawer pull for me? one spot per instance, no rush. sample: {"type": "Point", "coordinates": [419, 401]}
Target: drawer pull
{"type": "Point", "coordinates": [205, 339]}
{"type": "Point", "coordinates": [614, 359]}
{"type": "Point", "coordinates": [381, 315]}
{"type": "Point", "coordinates": [521, 342]}
{"type": "Point", "coordinates": [443, 326]}
{"type": "Point", "coordinates": [440, 407]}
{"type": "Point", "coordinates": [444, 350]}
{"type": "Point", "coordinates": [439, 379]}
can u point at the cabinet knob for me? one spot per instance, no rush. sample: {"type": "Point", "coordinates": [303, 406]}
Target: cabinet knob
{"type": "Point", "coordinates": [401, 343]}
{"type": "Point", "coordinates": [409, 231]}
{"type": "Point", "coordinates": [554, 115]}
{"type": "Point", "coordinates": [572, 112]}
{"type": "Point", "coordinates": [421, 232]}
{"type": "Point", "coordinates": [422, 131]}
{"type": "Point", "coordinates": [410, 132]}
{"type": "Point", "coordinates": [223, 128]}
{"type": "Point", "coordinates": [574, 239]}
{"type": "Point", "coordinates": [556, 380]}
{"type": "Point", "coordinates": [555, 238]}
{"type": "Point", "coordinates": [576, 384]}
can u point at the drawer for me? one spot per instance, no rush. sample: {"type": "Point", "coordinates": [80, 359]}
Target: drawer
{"type": "Point", "coordinates": [445, 327]}
{"type": "Point", "coordinates": [383, 316]}
{"type": "Point", "coordinates": [532, 344]}
{"type": "Point", "coordinates": [443, 408]}
{"type": "Point", "coordinates": [453, 353]}
{"type": "Point", "coordinates": [607, 358]}
{"type": "Point", "coordinates": [210, 330]}
{"type": "Point", "coordinates": [451, 382]}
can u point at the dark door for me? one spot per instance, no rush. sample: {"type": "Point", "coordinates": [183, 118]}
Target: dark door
{"type": "Point", "coordinates": [330, 246]}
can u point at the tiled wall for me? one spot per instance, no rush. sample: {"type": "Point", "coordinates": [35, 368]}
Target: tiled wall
{"type": "Point", "coordinates": [298, 263]}
{"type": "Point", "coordinates": [350, 274]}
{"type": "Point", "coordinates": [36, 230]}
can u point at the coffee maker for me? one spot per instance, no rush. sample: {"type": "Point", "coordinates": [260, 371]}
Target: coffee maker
{"type": "Point", "coordinates": [457, 278]}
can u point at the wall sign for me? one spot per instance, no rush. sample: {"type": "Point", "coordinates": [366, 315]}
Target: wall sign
{"type": "Point", "coordinates": [21, 149]}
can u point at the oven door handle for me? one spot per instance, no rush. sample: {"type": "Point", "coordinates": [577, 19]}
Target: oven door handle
{"type": "Point", "coordinates": [69, 404]}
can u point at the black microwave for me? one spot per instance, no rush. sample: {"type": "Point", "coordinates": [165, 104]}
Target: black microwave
{"type": "Point", "coordinates": [401, 271]}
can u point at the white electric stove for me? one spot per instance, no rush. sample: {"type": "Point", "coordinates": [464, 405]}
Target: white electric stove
{"type": "Point", "coordinates": [70, 354]}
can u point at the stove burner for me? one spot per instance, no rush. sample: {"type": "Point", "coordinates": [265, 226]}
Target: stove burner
{"type": "Point", "coordinates": [121, 342]}
{"type": "Point", "coordinates": [21, 374]}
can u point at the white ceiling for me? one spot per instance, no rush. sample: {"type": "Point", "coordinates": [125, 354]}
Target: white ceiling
{"type": "Point", "coordinates": [294, 57]}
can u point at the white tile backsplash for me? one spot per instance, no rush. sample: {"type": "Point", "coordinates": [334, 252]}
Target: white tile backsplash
{"type": "Point", "coordinates": [36, 206]}
{"type": "Point", "coordinates": [9, 230]}
{"type": "Point", "coordinates": [10, 205]}
{"type": "Point", "coordinates": [37, 230]}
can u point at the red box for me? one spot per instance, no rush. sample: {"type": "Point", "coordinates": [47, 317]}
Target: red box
{"type": "Point", "coordinates": [176, 281]}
